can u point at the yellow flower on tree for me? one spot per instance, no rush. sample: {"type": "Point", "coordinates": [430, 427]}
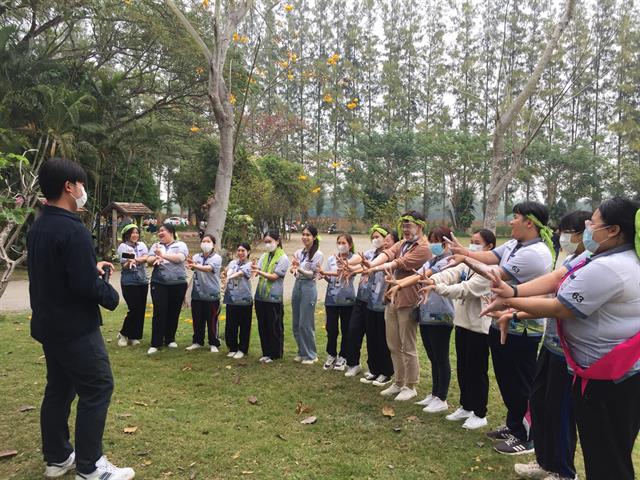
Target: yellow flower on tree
{"type": "Point", "coordinates": [288, 7]}
{"type": "Point", "coordinates": [128, 2]}
{"type": "Point", "coordinates": [335, 164]}
{"type": "Point", "coordinates": [293, 57]}
{"type": "Point", "coordinates": [283, 64]}
{"type": "Point", "coordinates": [205, 3]}
{"type": "Point", "coordinates": [232, 99]}
{"type": "Point", "coordinates": [199, 70]}
{"type": "Point", "coordinates": [351, 105]}
{"type": "Point", "coordinates": [194, 129]}
{"type": "Point", "coordinates": [302, 177]}
{"type": "Point", "coordinates": [290, 76]}
{"type": "Point", "coordinates": [327, 98]}
{"type": "Point", "coordinates": [316, 190]}
{"type": "Point", "coordinates": [236, 37]}
{"type": "Point", "coordinates": [333, 59]}
{"type": "Point", "coordinates": [244, 39]}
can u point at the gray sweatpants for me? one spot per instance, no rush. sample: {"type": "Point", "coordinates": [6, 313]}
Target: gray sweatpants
{"type": "Point", "coordinates": [303, 306]}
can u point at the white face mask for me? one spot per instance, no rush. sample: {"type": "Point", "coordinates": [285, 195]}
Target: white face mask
{"type": "Point", "coordinates": [474, 247]}
{"type": "Point", "coordinates": [80, 202]}
{"type": "Point", "coordinates": [206, 247]}
{"type": "Point", "coordinates": [343, 248]}
{"type": "Point", "coordinates": [270, 247]}
{"type": "Point", "coordinates": [377, 242]}
{"type": "Point", "coordinates": [566, 244]}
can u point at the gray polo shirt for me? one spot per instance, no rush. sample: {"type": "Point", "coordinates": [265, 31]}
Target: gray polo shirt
{"type": "Point", "coordinates": [524, 261]}
{"type": "Point", "coordinates": [206, 285]}
{"type": "Point", "coordinates": [138, 274]}
{"type": "Point", "coordinates": [438, 310]}
{"type": "Point", "coordinates": [275, 294]}
{"type": "Point", "coordinates": [363, 286]}
{"type": "Point", "coordinates": [551, 340]}
{"type": "Point", "coordinates": [604, 296]}
{"type": "Point", "coordinates": [340, 292]}
{"type": "Point", "coordinates": [169, 273]}
{"type": "Point", "coordinates": [307, 264]}
{"type": "Point", "coordinates": [238, 291]}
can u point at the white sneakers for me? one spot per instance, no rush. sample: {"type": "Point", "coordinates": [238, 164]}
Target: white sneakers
{"type": "Point", "coordinates": [152, 350]}
{"type": "Point", "coordinates": [238, 355]}
{"type": "Point", "coordinates": [265, 359]}
{"type": "Point", "coordinates": [381, 381]}
{"type": "Point", "coordinates": [105, 470]}
{"type": "Point", "coordinates": [231, 354]}
{"type": "Point", "coordinates": [394, 389]}
{"type": "Point", "coordinates": [425, 401]}
{"type": "Point", "coordinates": [353, 371]}
{"type": "Point", "coordinates": [436, 405]}
{"type": "Point", "coordinates": [530, 470]}
{"type": "Point", "coordinates": [474, 422]}
{"type": "Point", "coordinates": [406, 393]}
{"type": "Point", "coordinates": [367, 377]}
{"type": "Point", "coordinates": [459, 414]}
{"type": "Point", "coordinates": [134, 343]}
{"type": "Point", "coordinates": [193, 346]}
{"type": "Point", "coordinates": [297, 358]}
{"type": "Point", "coordinates": [309, 361]}
{"type": "Point", "coordinates": [329, 362]}
{"type": "Point", "coordinates": [54, 470]}
{"type": "Point", "coordinates": [122, 340]}
{"type": "Point", "coordinates": [213, 349]}
{"type": "Point", "coordinates": [173, 345]}
{"type": "Point", "coordinates": [341, 364]}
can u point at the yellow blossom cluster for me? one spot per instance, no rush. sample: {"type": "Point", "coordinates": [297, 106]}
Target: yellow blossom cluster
{"type": "Point", "coordinates": [335, 164]}
{"type": "Point", "coordinates": [232, 99]}
{"type": "Point", "coordinates": [240, 38]}
{"type": "Point", "coordinates": [194, 129]}
{"type": "Point", "coordinates": [302, 177]}
{"type": "Point", "coordinates": [288, 7]}
{"type": "Point", "coordinates": [333, 59]}
{"type": "Point", "coordinates": [327, 98]}
{"type": "Point", "coordinates": [316, 190]}
{"type": "Point", "coordinates": [199, 70]}
{"type": "Point", "coordinates": [352, 104]}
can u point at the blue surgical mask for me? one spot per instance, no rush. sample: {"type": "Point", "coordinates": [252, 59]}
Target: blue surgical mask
{"type": "Point", "coordinates": [437, 249]}
{"type": "Point", "coordinates": [587, 240]}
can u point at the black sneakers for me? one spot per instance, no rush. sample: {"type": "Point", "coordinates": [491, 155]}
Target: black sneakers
{"type": "Point", "coordinates": [500, 433]}
{"type": "Point", "coordinates": [514, 446]}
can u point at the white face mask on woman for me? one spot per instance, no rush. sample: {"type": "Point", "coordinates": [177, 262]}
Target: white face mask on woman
{"type": "Point", "coordinates": [377, 242]}
{"type": "Point", "coordinates": [80, 202]}
{"type": "Point", "coordinates": [566, 244]}
{"type": "Point", "coordinates": [206, 247]}
{"type": "Point", "coordinates": [343, 249]}
{"type": "Point", "coordinates": [474, 247]}
{"type": "Point", "coordinates": [270, 247]}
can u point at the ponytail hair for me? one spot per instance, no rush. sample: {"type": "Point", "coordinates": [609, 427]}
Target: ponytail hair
{"type": "Point", "coordinates": [316, 243]}
{"type": "Point", "coordinates": [275, 234]}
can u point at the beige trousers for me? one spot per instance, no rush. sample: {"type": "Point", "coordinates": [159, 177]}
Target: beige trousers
{"type": "Point", "coordinates": [401, 330]}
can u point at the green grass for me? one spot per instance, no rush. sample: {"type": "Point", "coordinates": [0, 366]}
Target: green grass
{"type": "Point", "coordinates": [194, 419]}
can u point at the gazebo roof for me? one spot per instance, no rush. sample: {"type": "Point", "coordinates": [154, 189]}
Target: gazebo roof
{"type": "Point", "coordinates": [125, 208]}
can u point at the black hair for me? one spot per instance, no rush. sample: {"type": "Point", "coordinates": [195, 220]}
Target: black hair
{"type": "Point", "coordinates": [532, 208]}
{"type": "Point", "coordinates": [316, 243]}
{"type": "Point", "coordinates": [211, 237]}
{"type": "Point", "coordinates": [488, 236]}
{"type": "Point", "coordinates": [55, 172]}
{"type": "Point", "coordinates": [169, 227]}
{"type": "Point", "coordinates": [394, 234]}
{"type": "Point", "coordinates": [127, 235]}
{"type": "Point", "coordinates": [415, 214]}
{"type": "Point", "coordinates": [574, 221]}
{"type": "Point", "coordinates": [438, 234]}
{"type": "Point", "coordinates": [246, 246]}
{"type": "Point", "coordinates": [622, 212]}
{"type": "Point", "coordinates": [275, 234]}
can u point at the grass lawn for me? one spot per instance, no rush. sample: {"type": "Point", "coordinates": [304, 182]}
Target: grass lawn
{"type": "Point", "coordinates": [194, 420]}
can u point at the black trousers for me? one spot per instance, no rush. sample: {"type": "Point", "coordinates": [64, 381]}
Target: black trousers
{"type": "Point", "coordinates": [271, 328]}
{"type": "Point", "coordinates": [435, 339]}
{"type": "Point", "coordinates": [136, 298]}
{"type": "Point", "coordinates": [608, 420]}
{"type": "Point", "coordinates": [378, 356]}
{"type": "Point", "coordinates": [514, 364]}
{"type": "Point", "coordinates": [343, 315]}
{"type": "Point", "coordinates": [357, 330]}
{"type": "Point", "coordinates": [167, 303]}
{"type": "Point", "coordinates": [205, 315]}
{"type": "Point", "coordinates": [472, 366]}
{"type": "Point", "coordinates": [552, 420]}
{"type": "Point", "coordinates": [76, 367]}
{"type": "Point", "coordinates": [237, 330]}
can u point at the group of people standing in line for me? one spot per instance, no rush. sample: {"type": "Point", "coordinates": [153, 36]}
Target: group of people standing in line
{"type": "Point", "coordinates": [433, 284]}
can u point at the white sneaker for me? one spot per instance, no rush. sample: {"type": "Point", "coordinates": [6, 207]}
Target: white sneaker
{"type": "Point", "coordinates": [459, 414]}
{"type": "Point", "coordinates": [53, 470]}
{"type": "Point", "coordinates": [530, 470]}
{"type": "Point", "coordinates": [152, 350]}
{"type": "Point", "coordinates": [309, 361]}
{"type": "Point", "coordinates": [238, 355]}
{"type": "Point", "coordinates": [381, 381]}
{"type": "Point", "coordinates": [436, 405]}
{"type": "Point", "coordinates": [134, 343]}
{"type": "Point", "coordinates": [122, 340]}
{"type": "Point", "coordinates": [297, 358]}
{"type": "Point", "coordinates": [231, 354]}
{"type": "Point", "coordinates": [394, 389]}
{"type": "Point", "coordinates": [328, 364]}
{"type": "Point", "coordinates": [353, 371]}
{"type": "Point", "coordinates": [106, 470]}
{"type": "Point", "coordinates": [425, 401]}
{"type": "Point", "coordinates": [341, 364]}
{"type": "Point", "coordinates": [213, 349]}
{"type": "Point", "coordinates": [407, 393]}
{"type": "Point", "coordinates": [173, 345]}
{"type": "Point", "coordinates": [262, 359]}
{"type": "Point", "coordinates": [367, 377]}
{"type": "Point", "coordinates": [268, 360]}
{"type": "Point", "coordinates": [193, 346]}
{"type": "Point", "coordinates": [474, 422]}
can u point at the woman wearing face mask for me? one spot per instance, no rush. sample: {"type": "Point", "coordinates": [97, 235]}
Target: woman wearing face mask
{"type": "Point", "coordinates": [401, 316]}
{"type": "Point", "coordinates": [168, 286]}
{"type": "Point", "coordinates": [239, 302]}
{"type": "Point", "coordinates": [134, 283]}
{"type": "Point", "coordinates": [378, 355]}
{"type": "Point", "coordinates": [205, 294]}
{"type": "Point", "coordinates": [271, 269]}
{"type": "Point", "coordinates": [339, 301]}
{"type": "Point", "coordinates": [597, 303]}
{"type": "Point", "coordinates": [304, 266]}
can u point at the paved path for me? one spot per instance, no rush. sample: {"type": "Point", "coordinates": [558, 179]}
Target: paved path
{"type": "Point", "coordinates": [16, 297]}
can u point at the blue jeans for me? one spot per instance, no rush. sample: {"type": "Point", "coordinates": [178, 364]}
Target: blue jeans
{"type": "Point", "coordinates": [303, 306]}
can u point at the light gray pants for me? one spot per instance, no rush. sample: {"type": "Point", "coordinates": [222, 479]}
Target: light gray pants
{"type": "Point", "coordinates": [303, 306]}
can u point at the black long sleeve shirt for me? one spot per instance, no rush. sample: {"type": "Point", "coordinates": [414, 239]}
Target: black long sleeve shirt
{"type": "Point", "coordinates": [64, 286]}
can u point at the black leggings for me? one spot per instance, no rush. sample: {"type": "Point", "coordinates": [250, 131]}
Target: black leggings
{"type": "Point", "coordinates": [205, 315]}
{"type": "Point", "coordinates": [472, 365]}
{"type": "Point", "coordinates": [357, 330]}
{"type": "Point", "coordinates": [136, 298]}
{"type": "Point", "coordinates": [335, 313]}
{"type": "Point", "coordinates": [435, 339]}
{"type": "Point", "coordinates": [238, 320]}
{"type": "Point", "coordinates": [271, 328]}
{"type": "Point", "coordinates": [379, 358]}
{"type": "Point", "coordinates": [167, 303]}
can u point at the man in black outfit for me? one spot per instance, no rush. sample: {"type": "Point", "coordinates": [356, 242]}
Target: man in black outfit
{"type": "Point", "coordinates": [66, 289]}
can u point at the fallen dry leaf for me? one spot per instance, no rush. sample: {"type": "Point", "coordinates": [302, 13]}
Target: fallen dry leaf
{"type": "Point", "coordinates": [147, 462]}
{"type": "Point", "coordinates": [309, 420]}
{"type": "Point", "coordinates": [187, 368]}
{"type": "Point", "coordinates": [302, 408]}
{"type": "Point", "coordinates": [412, 418]}
{"type": "Point", "coordinates": [388, 411]}
{"type": "Point", "coordinates": [142, 404]}
{"type": "Point", "coordinates": [8, 453]}
{"type": "Point", "coordinates": [236, 379]}
{"type": "Point", "coordinates": [124, 415]}
{"type": "Point", "coordinates": [130, 429]}
{"type": "Point", "coordinates": [228, 367]}
{"type": "Point", "coordinates": [235, 455]}
{"type": "Point", "coordinates": [281, 437]}
{"type": "Point", "coordinates": [247, 472]}
{"type": "Point", "coordinates": [26, 408]}
{"type": "Point", "coordinates": [252, 399]}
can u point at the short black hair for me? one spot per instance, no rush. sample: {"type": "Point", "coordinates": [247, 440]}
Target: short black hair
{"type": "Point", "coordinates": [536, 209]}
{"type": "Point", "coordinates": [245, 245]}
{"type": "Point", "coordinates": [394, 235]}
{"type": "Point", "coordinates": [574, 221]}
{"type": "Point", "coordinates": [622, 212]}
{"type": "Point", "coordinates": [488, 236]}
{"type": "Point", "coordinates": [169, 227]}
{"type": "Point", "coordinates": [55, 172]}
